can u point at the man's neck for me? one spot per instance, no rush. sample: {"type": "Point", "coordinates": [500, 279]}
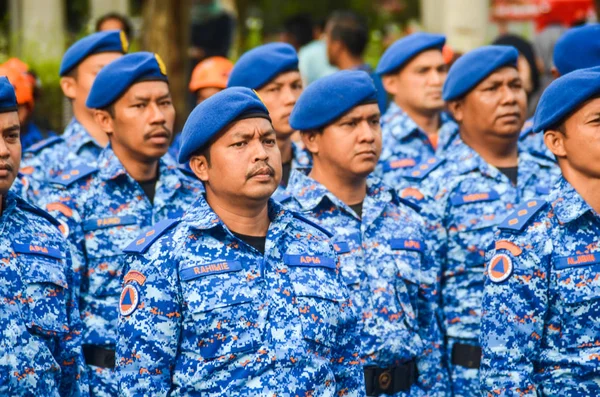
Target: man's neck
{"type": "Point", "coordinates": [428, 122]}
{"type": "Point", "coordinates": [285, 147]}
{"type": "Point", "coordinates": [90, 125]}
{"type": "Point", "coordinates": [587, 187]}
{"type": "Point", "coordinates": [250, 220]}
{"type": "Point", "coordinates": [350, 190]}
{"type": "Point", "coordinates": [499, 152]}
{"type": "Point", "coordinates": [140, 171]}
{"type": "Point", "coordinates": [347, 61]}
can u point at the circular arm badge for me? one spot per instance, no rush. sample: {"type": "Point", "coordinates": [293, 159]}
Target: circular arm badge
{"type": "Point", "coordinates": [501, 267]}
{"type": "Point", "coordinates": [129, 300]}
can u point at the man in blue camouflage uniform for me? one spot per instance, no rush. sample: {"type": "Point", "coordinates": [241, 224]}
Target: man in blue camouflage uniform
{"type": "Point", "coordinates": [578, 48]}
{"type": "Point", "coordinates": [540, 332]}
{"type": "Point", "coordinates": [239, 297]}
{"type": "Point", "coordinates": [134, 186]}
{"type": "Point", "coordinates": [82, 140]}
{"type": "Point", "coordinates": [479, 179]}
{"type": "Point", "coordinates": [272, 70]}
{"type": "Point", "coordinates": [40, 337]}
{"type": "Point", "coordinates": [379, 238]}
{"type": "Point", "coordinates": [414, 127]}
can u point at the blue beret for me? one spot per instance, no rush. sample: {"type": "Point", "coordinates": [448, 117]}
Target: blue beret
{"type": "Point", "coordinates": [578, 48]}
{"type": "Point", "coordinates": [116, 77]}
{"type": "Point", "coordinates": [564, 95]}
{"type": "Point", "coordinates": [403, 50]}
{"type": "Point", "coordinates": [262, 64]}
{"type": "Point", "coordinates": [330, 97]}
{"type": "Point", "coordinates": [473, 67]}
{"type": "Point", "coordinates": [214, 114]}
{"type": "Point", "coordinates": [8, 99]}
{"type": "Point", "coordinates": [107, 41]}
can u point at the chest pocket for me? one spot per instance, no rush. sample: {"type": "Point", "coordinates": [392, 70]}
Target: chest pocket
{"type": "Point", "coordinates": [105, 239]}
{"type": "Point", "coordinates": [320, 297]}
{"type": "Point", "coordinates": [222, 306]}
{"type": "Point", "coordinates": [351, 272]}
{"type": "Point", "coordinates": [45, 295]}
{"type": "Point", "coordinates": [408, 261]}
{"type": "Point", "coordinates": [472, 220]}
{"type": "Point", "coordinates": [578, 288]}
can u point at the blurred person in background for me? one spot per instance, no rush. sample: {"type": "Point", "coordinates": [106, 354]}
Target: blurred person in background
{"type": "Point", "coordinates": [314, 63]}
{"type": "Point", "coordinates": [115, 21]}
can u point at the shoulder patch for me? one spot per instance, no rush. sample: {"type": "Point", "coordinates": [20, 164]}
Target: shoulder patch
{"type": "Point", "coordinates": [313, 224]}
{"type": "Point", "coordinates": [37, 211]}
{"type": "Point", "coordinates": [468, 198]}
{"type": "Point", "coordinates": [69, 176]}
{"type": "Point", "coordinates": [400, 163]}
{"type": "Point", "coordinates": [420, 171]}
{"type": "Point", "coordinates": [521, 215]}
{"type": "Point", "coordinates": [145, 240]}
{"type": "Point", "coordinates": [36, 147]}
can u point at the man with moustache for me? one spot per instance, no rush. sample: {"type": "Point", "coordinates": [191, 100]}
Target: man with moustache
{"type": "Point", "coordinates": [415, 126]}
{"type": "Point", "coordinates": [134, 185]}
{"type": "Point", "coordinates": [272, 71]}
{"type": "Point", "coordinates": [239, 297]}
{"type": "Point", "coordinates": [380, 238]}
{"type": "Point", "coordinates": [478, 180]}
{"type": "Point", "coordinates": [40, 326]}
{"type": "Point", "coordinates": [83, 139]}
{"type": "Point", "coordinates": [540, 332]}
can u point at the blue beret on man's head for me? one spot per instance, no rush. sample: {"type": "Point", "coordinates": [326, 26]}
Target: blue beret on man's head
{"type": "Point", "coordinates": [405, 49]}
{"type": "Point", "coordinates": [330, 97]}
{"type": "Point", "coordinates": [107, 41]}
{"type": "Point", "coordinates": [8, 98]}
{"type": "Point", "coordinates": [564, 96]}
{"type": "Point", "coordinates": [260, 65]}
{"type": "Point", "coordinates": [474, 67]}
{"type": "Point", "coordinates": [214, 114]}
{"type": "Point", "coordinates": [577, 48]}
{"type": "Point", "coordinates": [116, 77]}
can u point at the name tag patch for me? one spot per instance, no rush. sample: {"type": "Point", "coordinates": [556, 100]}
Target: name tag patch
{"type": "Point", "coordinates": [460, 199]}
{"type": "Point", "coordinates": [310, 261]}
{"type": "Point", "coordinates": [564, 262]}
{"type": "Point", "coordinates": [37, 250]}
{"type": "Point", "coordinates": [407, 244]}
{"type": "Point", "coordinates": [209, 269]}
{"type": "Point", "coordinates": [101, 223]}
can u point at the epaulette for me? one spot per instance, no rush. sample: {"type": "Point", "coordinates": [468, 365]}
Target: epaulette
{"type": "Point", "coordinates": [37, 211]}
{"type": "Point", "coordinates": [517, 220]}
{"type": "Point", "coordinates": [313, 224]}
{"type": "Point", "coordinates": [420, 171]}
{"type": "Point", "coordinates": [281, 197]}
{"type": "Point", "coordinates": [36, 147]}
{"type": "Point", "coordinates": [145, 240]}
{"type": "Point", "coordinates": [69, 176]}
{"type": "Point", "coordinates": [400, 163]}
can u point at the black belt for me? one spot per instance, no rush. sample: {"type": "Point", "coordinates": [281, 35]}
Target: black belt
{"type": "Point", "coordinates": [467, 356]}
{"type": "Point", "coordinates": [99, 356]}
{"type": "Point", "coordinates": [390, 380]}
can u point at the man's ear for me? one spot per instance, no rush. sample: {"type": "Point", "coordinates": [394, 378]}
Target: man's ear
{"type": "Point", "coordinates": [68, 86]}
{"type": "Point", "coordinates": [199, 166]}
{"type": "Point", "coordinates": [555, 140]}
{"type": "Point", "coordinates": [104, 120]}
{"type": "Point", "coordinates": [390, 83]}
{"type": "Point", "coordinates": [311, 141]}
{"type": "Point", "coordinates": [457, 109]}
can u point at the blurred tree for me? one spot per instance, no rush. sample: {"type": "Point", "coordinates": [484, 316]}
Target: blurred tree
{"type": "Point", "coordinates": [166, 32]}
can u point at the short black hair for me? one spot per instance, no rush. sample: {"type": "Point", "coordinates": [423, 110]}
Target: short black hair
{"type": "Point", "coordinates": [127, 28]}
{"type": "Point", "coordinates": [110, 109]}
{"type": "Point", "coordinates": [351, 29]}
{"type": "Point", "coordinates": [300, 27]}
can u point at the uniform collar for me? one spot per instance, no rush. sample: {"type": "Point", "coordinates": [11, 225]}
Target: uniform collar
{"type": "Point", "coordinates": [310, 194]}
{"type": "Point", "coordinates": [447, 130]}
{"type": "Point", "coordinates": [76, 137]}
{"type": "Point", "coordinates": [568, 205]}
{"type": "Point", "coordinates": [300, 156]}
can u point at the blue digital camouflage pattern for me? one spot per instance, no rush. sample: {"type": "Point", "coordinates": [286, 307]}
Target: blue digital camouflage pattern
{"type": "Point", "coordinates": [470, 198]}
{"type": "Point", "coordinates": [48, 158]}
{"type": "Point", "coordinates": [533, 142]}
{"type": "Point", "coordinates": [301, 159]}
{"type": "Point", "coordinates": [105, 209]}
{"type": "Point", "coordinates": [31, 134]}
{"type": "Point", "coordinates": [405, 145]}
{"type": "Point", "coordinates": [217, 318]}
{"type": "Point", "coordinates": [387, 269]}
{"type": "Point", "coordinates": [540, 329]}
{"type": "Point", "coordinates": [40, 327]}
